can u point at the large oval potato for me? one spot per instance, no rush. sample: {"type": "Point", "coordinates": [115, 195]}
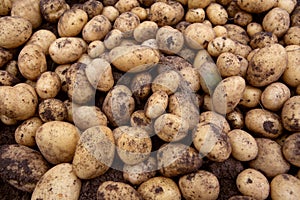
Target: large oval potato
{"type": "Point", "coordinates": [14, 31]}
{"type": "Point", "coordinates": [256, 6]}
{"type": "Point", "coordinates": [134, 58]}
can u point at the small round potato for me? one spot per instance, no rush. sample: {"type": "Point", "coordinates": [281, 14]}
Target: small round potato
{"type": "Point", "coordinates": [96, 49]}
{"type": "Point", "coordinates": [53, 10]}
{"type": "Point", "coordinates": [7, 79]}
{"type": "Point", "coordinates": [287, 5]}
{"type": "Point", "coordinates": [57, 141]}
{"type": "Point", "coordinates": [141, 12]}
{"type": "Point", "coordinates": [285, 186]}
{"type": "Point", "coordinates": [198, 35]}
{"type": "Point", "coordinates": [126, 5]}
{"type": "Point", "coordinates": [262, 39]}
{"type": "Point", "coordinates": [85, 117]}
{"type": "Point", "coordinates": [159, 188]}
{"type": "Point", "coordinates": [25, 133]}
{"type": "Point", "coordinates": [126, 23]}
{"type": "Point", "coordinates": [145, 31]}
{"type": "Point", "coordinates": [242, 18]}
{"type": "Point", "coordinates": [94, 152]}
{"type": "Point", "coordinates": [236, 119]}
{"type": "Point", "coordinates": [169, 40]}
{"type": "Point", "coordinates": [14, 31]}
{"type": "Point", "coordinates": [199, 185]}
{"type": "Point", "coordinates": [48, 85]}
{"type": "Point", "coordinates": [244, 146]}
{"type": "Point", "coordinates": [253, 28]}
{"type": "Point", "coordinates": [96, 28]}
{"type": "Point", "coordinates": [195, 15]}
{"type": "Point", "coordinates": [228, 64]}
{"type": "Point", "coordinates": [220, 45]}
{"type": "Point", "coordinates": [71, 22]}
{"type": "Point", "coordinates": [290, 149]}
{"type": "Point", "coordinates": [139, 119]}
{"type": "Point", "coordinates": [269, 159]}
{"type": "Point", "coordinates": [141, 85]}
{"type": "Point", "coordinates": [52, 110]}
{"type": "Point", "coordinates": [220, 31]}
{"type": "Point", "coordinates": [216, 119]}
{"type": "Point", "coordinates": [111, 13]}
{"type": "Point", "coordinates": [156, 104]}
{"type": "Point", "coordinates": [292, 36]}
{"type": "Point", "coordinates": [92, 8]}
{"type": "Point", "coordinates": [42, 38]}
{"type": "Point", "coordinates": [58, 182]}
{"type": "Point", "coordinates": [117, 191]}
{"type": "Point", "coordinates": [290, 114]}
{"type": "Point", "coordinates": [167, 81]}
{"type": "Point", "coordinates": [216, 14]}
{"type": "Point", "coordinates": [237, 33]}
{"type": "Point", "coordinates": [253, 183]}
{"type": "Point", "coordinates": [113, 39]}
{"type": "Point", "coordinates": [251, 97]}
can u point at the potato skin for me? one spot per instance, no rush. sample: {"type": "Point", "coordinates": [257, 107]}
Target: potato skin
{"type": "Point", "coordinates": [290, 115]}
{"type": "Point", "coordinates": [96, 28]}
{"type": "Point", "coordinates": [14, 31]}
{"type": "Point", "coordinates": [256, 7]}
{"type": "Point", "coordinates": [290, 148]}
{"type": "Point", "coordinates": [285, 186]}
{"type": "Point", "coordinates": [21, 166]}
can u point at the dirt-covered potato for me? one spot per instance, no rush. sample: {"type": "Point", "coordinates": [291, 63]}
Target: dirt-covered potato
{"type": "Point", "coordinates": [96, 49]}
{"type": "Point", "coordinates": [290, 149]}
{"type": "Point", "coordinates": [195, 15]}
{"type": "Point", "coordinates": [285, 186]}
{"type": "Point", "coordinates": [61, 71]}
{"type": "Point", "coordinates": [198, 35]}
{"type": "Point", "coordinates": [216, 119]}
{"type": "Point", "coordinates": [141, 12]}
{"type": "Point", "coordinates": [8, 121]}
{"type": "Point", "coordinates": [94, 152]}
{"type": "Point", "coordinates": [133, 58]}
{"type": "Point", "coordinates": [199, 185]}
{"type": "Point", "coordinates": [5, 7]}
{"type": "Point", "coordinates": [262, 39]}
{"type": "Point", "coordinates": [167, 81]}
{"type": "Point", "coordinates": [198, 4]}
{"type": "Point", "coordinates": [58, 182]}
{"type": "Point", "coordinates": [251, 97]}
{"type": "Point", "coordinates": [237, 33]}
{"type": "Point", "coordinates": [236, 119]}
{"type": "Point", "coordinates": [139, 119]}
{"type": "Point", "coordinates": [111, 13]}
{"type": "Point", "coordinates": [274, 96]}
{"type": "Point", "coordinates": [99, 74]}
{"type": "Point", "coordinates": [228, 93]}
{"type": "Point", "coordinates": [14, 32]}
{"type": "Point", "coordinates": [267, 65]}
{"type": "Point", "coordinates": [176, 159]}
{"type": "Point", "coordinates": [292, 36]}
{"type": "Point", "coordinates": [18, 102]}
{"type": "Point", "coordinates": [269, 159]}
{"type": "Point", "coordinates": [71, 22]}
{"type": "Point", "coordinates": [52, 110]}
{"type": "Point", "coordinates": [92, 8]}
{"type": "Point", "coordinates": [244, 146]}
{"type": "Point", "coordinates": [220, 45]}
{"type": "Point", "coordinates": [253, 183]}
{"type": "Point", "coordinates": [169, 40]}
{"type": "Point", "coordinates": [126, 23]}
{"type": "Point", "coordinates": [228, 64]}
{"type": "Point", "coordinates": [113, 39]}
{"type": "Point", "coordinates": [290, 114]}
{"type": "Point", "coordinates": [145, 31]}
{"type": "Point", "coordinates": [156, 104]}
{"type": "Point", "coordinates": [7, 79]}
{"type": "Point", "coordinates": [117, 191]}
{"type": "Point", "coordinates": [295, 16]}
{"type": "Point", "coordinates": [216, 14]}
{"type": "Point", "coordinates": [52, 10]}
{"type": "Point", "coordinates": [25, 133]}
{"type": "Point", "coordinates": [32, 61]}
{"type": "Point", "coordinates": [42, 38]}
{"type": "Point", "coordinates": [253, 28]}
{"type": "Point", "coordinates": [291, 75]}
{"type": "Point", "coordinates": [96, 28]}
{"type": "Point", "coordinates": [67, 49]}
{"type": "Point", "coordinates": [211, 141]}
{"type": "Point", "coordinates": [126, 5]}
{"type": "Point", "coordinates": [85, 117]}
{"type": "Point", "coordinates": [256, 7]}
{"type": "Point", "coordinates": [5, 56]}
{"type": "Point", "coordinates": [159, 188]}
{"type": "Point", "coordinates": [276, 21]}
{"type": "Point", "coordinates": [141, 85]}
{"type": "Point", "coordinates": [242, 18]}
{"type": "Point", "coordinates": [141, 172]}
{"type": "Point", "coordinates": [118, 105]}
{"type": "Point", "coordinates": [48, 85]}
{"type": "Point", "coordinates": [57, 141]}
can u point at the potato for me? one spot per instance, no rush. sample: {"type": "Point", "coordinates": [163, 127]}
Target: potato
{"type": "Point", "coordinates": [290, 114]}
{"type": "Point", "coordinates": [141, 12]}
{"type": "Point", "coordinates": [210, 140]}
{"type": "Point", "coordinates": [126, 23]}
{"type": "Point", "coordinates": [233, 8]}
{"type": "Point", "coordinates": [256, 7]}
{"type": "Point", "coordinates": [85, 117]}
{"type": "Point", "coordinates": [269, 159]}
{"type": "Point", "coordinates": [14, 32]}
{"type": "Point", "coordinates": [290, 149]}
{"type": "Point", "coordinates": [276, 21]}
{"type": "Point", "coordinates": [133, 145]}
{"type": "Point", "coordinates": [253, 28]}
{"type": "Point", "coordinates": [291, 75]}
{"type": "Point", "coordinates": [42, 38]}
{"type": "Point", "coordinates": [8, 121]}
{"type": "Point", "coordinates": [220, 45]}
{"type": "Point", "coordinates": [170, 127]}
{"type": "Point", "coordinates": [265, 69]}
{"type": "Point", "coordinates": [28, 9]}
{"type": "Point", "coordinates": [159, 188]}
{"type": "Point", "coordinates": [220, 31]}
{"type": "Point", "coordinates": [52, 10]}
{"type": "Point", "coordinates": [134, 58]}
{"type": "Point", "coordinates": [198, 4]}
{"type": "Point", "coordinates": [58, 182]}
{"type": "Point", "coordinates": [94, 152]}
{"type": "Point", "coordinates": [166, 14]}
{"type": "Point", "coordinates": [61, 71]}
{"type": "Point", "coordinates": [113, 39]}
{"type": "Point", "coordinates": [176, 159]}
{"type": "Point", "coordinates": [285, 186]}
{"type": "Point", "coordinates": [295, 16]}
{"type": "Point", "coordinates": [92, 8]}
{"type": "Point", "coordinates": [141, 85]}
{"type": "Point", "coordinates": [237, 33]}
{"type": "Point", "coordinates": [67, 49]}
{"type": "Point", "coordinates": [25, 133]}
{"type": "Point", "coordinates": [96, 49]}
{"type": "Point", "coordinates": [18, 102]}
{"type": "Point", "coordinates": [117, 190]}
{"type": "Point", "coordinates": [262, 39]}
{"type": "Point", "coordinates": [216, 119]}
{"type": "Point", "coordinates": [21, 166]}
{"type": "Point", "coordinates": [7, 79]}
{"type": "Point", "coordinates": [5, 7]}
{"type": "Point", "coordinates": [228, 64]}
{"type": "Point", "coordinates": [80, 90]}
{"type": "Point", "coordinates": [169, 40]}
{"type": "Point", "coordinates": [139, 119]}
{"type": "Point", "coordinates": [71, 22]}
{"type": "Point", "coordinates": [48, 85]}
{"type": "Point", "coordinates": [96, 28]}
{"type": "Point", "coordinates": [253, 183]}
{"type": "Point", "coordinates": [111, 13]}
{"type": "Point", "coordinates": [99, 74]}
{"type": "Point", "coordinates": [251, 97]}
{"type": "Point", "coordinates": [156, 104]}
{"type": "Point", "coordinates": [5, 56]}
{"type": "Point", "coordinates": [287, 5]}
{"type": "Point", "coordinates": [216, 14]}
{"type": "Point", "coordinates": [198, 35]}
{"type": "Point", "coordinates": [242, 18]}
{"type": "Point", "coordinates": [292, 36]}
{"type": "Point", "coordinates": [199, 185]}
{"type": "Point", "coordinates": [126, 5]}
{"type": "Point", "coordinates": [145, 31]}
{"type": "Point", "coordinates": [244, 146]}
{"type": "Point", "coordinates": [118, 105]}
{"type": "Point", "coordinates": [167, 81]}
{"type": "Point", "coordinates": [228, 94]}
{"type": "Point", "coordinates": [235, 119]}
{"type": "Point", "coordinates": [274, 96]}
{"type": "Point", "coordinates": [263, 123]}
{"type": "Point", "coordinates": [57, 141]}
{"type": "Point", "coordinates": [141, 172]}
{"type": "Point", "coordinates": [52, 110]}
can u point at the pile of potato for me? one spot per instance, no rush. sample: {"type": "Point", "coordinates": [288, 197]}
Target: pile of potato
{"type": "Point", "coordinates": [155, 89]}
